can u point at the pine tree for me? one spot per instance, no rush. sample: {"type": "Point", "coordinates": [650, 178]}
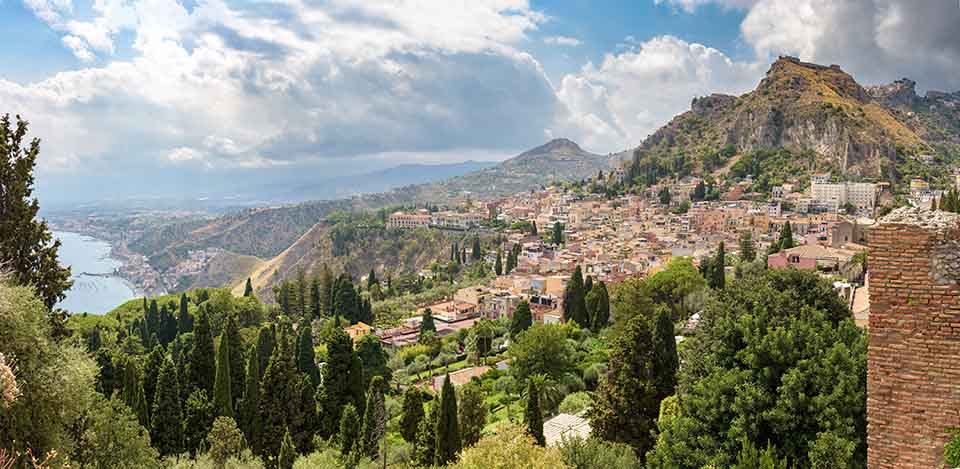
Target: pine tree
{"type": "Point", "coordinates": [574, 300]}
{"type": "Point", "coordinates": [266, 342]}
{"type": "Point", "coordinates": [166, 431]}
{"type": "Point", "coordinates": [349, 426]}
{"type": "Point", "coordinates": [334, 394]}
{"type": "Point", "coordinates": [202, 366]}
{"type": "Point", "coordinates": [288, 452]}
{"type": "Point", "coordinates": [198, 419]}
{"type": "Point", "coordinates": [522, 319]}
{"type": "Point", "coordinates": [248, 288]}
{"type": "Point", "coordinates": [374, 420]}
{"type": "Point", "coordinates": [665, 359]}
{"type": "Point", "coordinates": [448, 426]}
{"type": "Point", "coordinates": [184, 320]}
{"type": "Point", "coordinates": [498, 264]}
{"type": "Point", "coordinates": [306, 360]}
{"type": "Point", "coordinates": [28, 250]}
{"type": "Point", "coordinates": [425, 449]}
{"type": "Point", "coordinates": [250, 405]}
{"type": "Point", "coordinates": [412, 414]}
{"type": "Point", "coordinates": [534, 415]}
{"type": "Point", "coordinates": [222, 393]}
{"type": "Point", "coordinates": [599, 302]}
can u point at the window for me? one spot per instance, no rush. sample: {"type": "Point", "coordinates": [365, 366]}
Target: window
{"type": "Point", "coordinates": [794, 259]}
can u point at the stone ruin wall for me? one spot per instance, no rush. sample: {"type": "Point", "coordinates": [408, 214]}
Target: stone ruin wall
{"type": "Point", "coordinates": [913, 373]}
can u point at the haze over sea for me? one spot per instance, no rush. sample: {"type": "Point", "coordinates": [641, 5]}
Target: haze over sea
{"type": "Point", "coordinates": [94, 294]}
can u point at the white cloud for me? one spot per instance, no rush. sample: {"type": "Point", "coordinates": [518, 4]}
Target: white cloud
{"type": "Point", "coordinates": [562, 41]}
{"type": "Point", "coordinates": [690, 6]}
{"type": "Point", "coordinates": [78, 47]}
{"type": "Point", "coordinates": [263, 85]}
{"type": "Point", "coordinates": [629, 95]}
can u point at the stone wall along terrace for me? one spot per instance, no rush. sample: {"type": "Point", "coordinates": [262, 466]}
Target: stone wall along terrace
{"type": "Point", "coordinates": [913, 374]}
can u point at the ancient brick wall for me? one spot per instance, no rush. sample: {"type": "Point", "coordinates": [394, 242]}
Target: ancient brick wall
{"type": "Point", "coordinates": [913, 377]}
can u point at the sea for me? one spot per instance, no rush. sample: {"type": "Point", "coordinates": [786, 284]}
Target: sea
{"type": "Point", "coordinates": [95, 290]}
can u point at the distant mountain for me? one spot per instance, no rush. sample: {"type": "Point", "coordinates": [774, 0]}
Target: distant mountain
{"type": "Point", "coordinates": [557, 160]}
{"type": "Point", "coordinates": [266, 232]}
{"type": "Point", "coordinates": [380, 181]}
{"type": "Point", "coordinates": [813, 109]}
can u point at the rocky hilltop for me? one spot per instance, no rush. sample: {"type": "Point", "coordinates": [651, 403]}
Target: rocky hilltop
{"type": "Point", "coordinates": [801, 106]}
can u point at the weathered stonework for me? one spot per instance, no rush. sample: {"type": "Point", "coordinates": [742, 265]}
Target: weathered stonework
{"type": "Point", "coordinates": [913, 373]}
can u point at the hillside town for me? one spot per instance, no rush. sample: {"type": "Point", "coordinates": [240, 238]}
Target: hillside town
{"type": "Point", "coordinates": [612, 239]}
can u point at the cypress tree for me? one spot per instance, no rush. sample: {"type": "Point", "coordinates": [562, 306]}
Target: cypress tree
{"type": "Point", "coordinates": [533, 228]}
{"type": "Point", "coordinates": [166, 431]}
{"type": "Point", "coordinates": [374, 420]}
{"type": "Point", "coordinates": [151, 373]}
{"type": "Point", "coordinates": [133, 393]}
{"type": "Point", "coordinates": [250, 405]}
{"type": "Point", "coordinates": [373, 358]}
{"type": "Point", "coordinates": [237, 363]}
{"type": "Point", "coordinates": [557, 234]}
{"type": "Point", "coordinates": [306, 360]}
{"type": "Point", "coordinates": [326, 288]}
{"type": "Point", "coordinates": [301, 290]}
{"type": "Point", "coordinates": [748, 251]}
{"type": "Point", "coordinates": [288, 452]}
{"type": "Point", "coordinates": [425, 450]}
{"type": "Point", "coordinates": [153, 319]}
{"type": "Point", "coordinates": [202, 365]}
{"type": "Point", "coordinates": [600, 301]}
{"type": "Point", "coordinates": [334, 394]}
{"type": "Point", "coordinates": [198, 419]}
{"type": "Point", "coordinates": [305, 422]}
{"type": "Point", "coordinates": [786, 237]}
{"type": "Point", "coordinates": [184, 321]}
{"type": "Point", "coordinates": [279, 397]}
{"type": "Point", "coordinates": [472, 413]}
{"type": "Point", "coordinates": [574, 301]}
{"type": "Point", "coordinates": [534, 415]}
{"type": "Point", "coordinates": [448, 426]}
{"type": "Point", "coordinates": [587, 286]}
{"type": "Point", "coordinates": [355, 383]}
{"type": "Point", "coordinates": [412, 414]}
{"type": "Point", "coordinates": [475, 253]}
{"type": "Point", "coordinates": [315, 301]}
{"type": "Point", "coordinates": [626, 404]}
{"type": "Point", "coordinates": [222, 395]}
{"type": "Point", "coordinates": [426, 322]}
{"type": "Point", "coordinates": [266, 342]}
{"type": "Point", "coordinates": [522, 319]}
{"type": "Point", "coordinates": [168, 325]}
{"type": "Point", "coordinates": [717, 277]}
{"type": "Point", "coordinates": [498, 265]}
{"type": "Point", "coordinates": [345, 299]}
{"type": "Point", "coordinates": [349, 426]}
{"type": "Point", "coordinates": [665, 359]}
{"type": "Point", "coordinates": [248, 289]}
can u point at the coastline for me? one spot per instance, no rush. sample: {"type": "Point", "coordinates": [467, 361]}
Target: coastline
{"type": "Point", "coordinates": [97, 272]}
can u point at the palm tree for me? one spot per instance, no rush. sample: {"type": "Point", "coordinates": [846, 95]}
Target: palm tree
{"type": "Point", "coordinates": [550, 394]}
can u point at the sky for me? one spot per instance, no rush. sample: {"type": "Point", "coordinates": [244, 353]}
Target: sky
{"type": "Point", "coordinates": [160, 97]}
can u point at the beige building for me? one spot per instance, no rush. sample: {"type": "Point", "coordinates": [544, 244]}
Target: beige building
{"type": "Point", "coordinates": [419, 219]}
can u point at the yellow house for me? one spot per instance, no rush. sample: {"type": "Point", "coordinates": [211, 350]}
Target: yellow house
{"type": "Point", "coordinates": [358, 330]}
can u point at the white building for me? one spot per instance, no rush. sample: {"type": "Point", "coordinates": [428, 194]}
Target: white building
{"type": "Point", "coordinates": [862, 195]}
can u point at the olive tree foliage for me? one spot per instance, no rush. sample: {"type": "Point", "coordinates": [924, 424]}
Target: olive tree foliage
{"type": "Point", "coordinates": [510, 447]}
{"type": "Point", "coordinates": [776, 362]}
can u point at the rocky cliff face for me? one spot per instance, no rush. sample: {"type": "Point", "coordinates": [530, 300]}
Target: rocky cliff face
{"type": "Point", "coordinates": [803, 106]}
